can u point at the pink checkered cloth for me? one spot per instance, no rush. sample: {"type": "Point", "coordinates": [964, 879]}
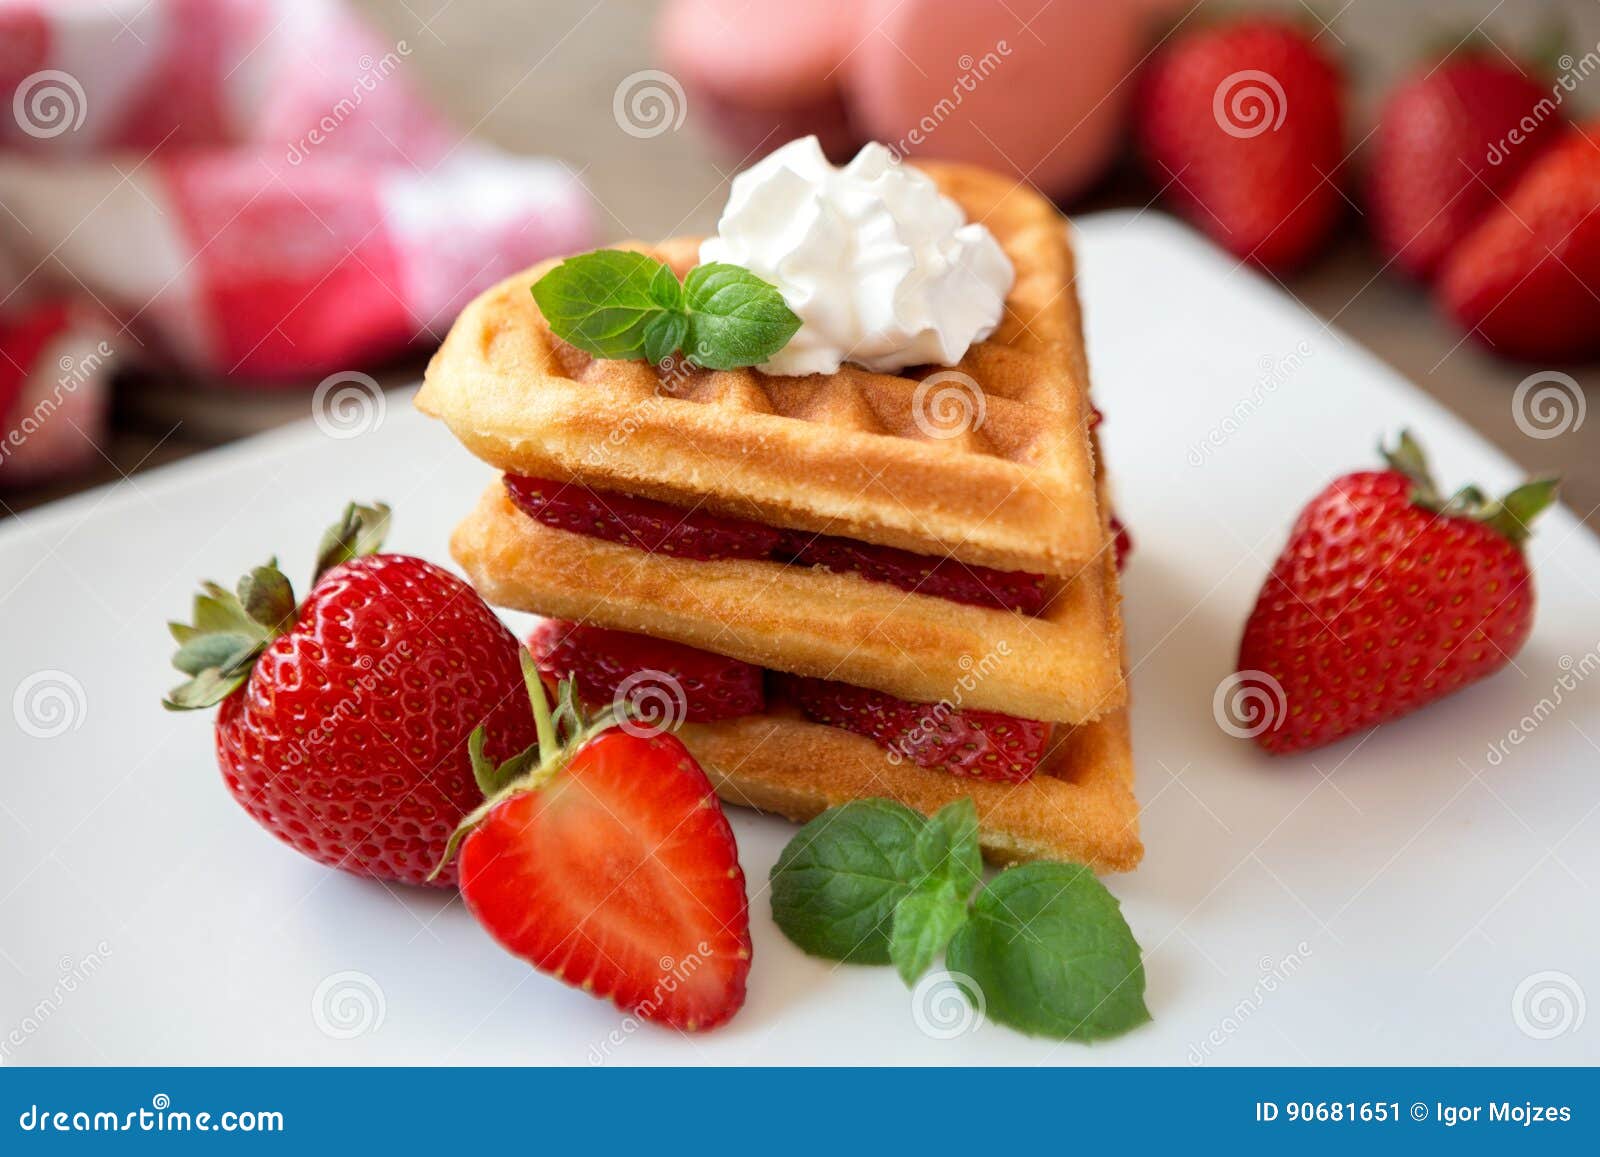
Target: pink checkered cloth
{"type": "Point", "coordinates": [245, 189]}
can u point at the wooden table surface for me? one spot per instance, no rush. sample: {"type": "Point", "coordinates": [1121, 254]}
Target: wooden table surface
{"type": "Point", "coordinates": [538, 76]}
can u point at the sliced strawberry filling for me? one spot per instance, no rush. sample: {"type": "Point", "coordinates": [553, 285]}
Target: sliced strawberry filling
{"type": "Point", "coordinates": [980, 744]}
{"type": "Point", "coordinates": [702, 687]}
{"type": "Point", "coordinates": [613, 665]}
{"type": "Point", "coordinates": [662, 528]}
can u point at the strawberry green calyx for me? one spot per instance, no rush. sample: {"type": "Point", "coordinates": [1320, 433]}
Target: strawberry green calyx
{"type": "Point", "coordinates": [231, 628]}
{"type": "Point", "coordinates": [360, 531]}
{"type": "Point", "coordinates": [1510, 516]}
{"type": "Point", "coordinates": [562, 732]}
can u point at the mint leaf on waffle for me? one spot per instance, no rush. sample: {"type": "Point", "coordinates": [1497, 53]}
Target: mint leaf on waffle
{"type": "Point", "coordinates": [618, 304]}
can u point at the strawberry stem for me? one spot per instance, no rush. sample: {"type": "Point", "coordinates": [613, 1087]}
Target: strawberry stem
{"type": "Point", "coordinates": [231, 628]}
{"type": "Point", "coordinates": [532, 768]}
{"type": "Point", "coordinates": [1510, 516]}
{"type": "Point", "coordinates": [549, 740]}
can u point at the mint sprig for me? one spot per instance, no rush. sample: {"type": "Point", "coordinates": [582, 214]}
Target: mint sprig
{"type": "Point", "coordinates": [872, 882]}
{"type": "Point", "coordinates": [618, 304]}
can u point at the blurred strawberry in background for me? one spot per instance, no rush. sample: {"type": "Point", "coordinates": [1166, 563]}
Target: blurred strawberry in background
{"type": "Point", "coordinates": [1450, 141]}
{"type": "Point", "coordinates": [1525, 280]}
{"type": "Point", "coordinates": [1241, 125]}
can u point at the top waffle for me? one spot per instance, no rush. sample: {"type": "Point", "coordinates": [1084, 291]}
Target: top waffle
{"type": "Point", "coordinates": [882, 458]}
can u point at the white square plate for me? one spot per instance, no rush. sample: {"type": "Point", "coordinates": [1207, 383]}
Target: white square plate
{"type": "Point", "coordinates": [1408, 897]}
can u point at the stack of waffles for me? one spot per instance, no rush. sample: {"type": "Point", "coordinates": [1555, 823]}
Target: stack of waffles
{"type": "Point", "coordinates": [922, 564]}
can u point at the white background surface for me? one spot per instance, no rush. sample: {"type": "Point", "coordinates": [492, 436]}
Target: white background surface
{"type": "Point", "coordinates": [1416, 885]}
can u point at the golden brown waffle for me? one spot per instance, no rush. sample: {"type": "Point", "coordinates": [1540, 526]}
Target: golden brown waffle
{"type": "Point", "coordinates": [1077, 806]}
{"type": "Point", "coordinates": [1065, 666]}
{"type": "Point", "coordinates": [841, 453]}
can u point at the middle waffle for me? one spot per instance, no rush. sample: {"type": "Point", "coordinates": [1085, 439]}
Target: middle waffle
{"type": "Point", "coordinates": [1062, 666]}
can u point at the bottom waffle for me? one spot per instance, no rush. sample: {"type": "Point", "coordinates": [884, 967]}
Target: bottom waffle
{"type": "Point", "coordinates": [1078, 806]}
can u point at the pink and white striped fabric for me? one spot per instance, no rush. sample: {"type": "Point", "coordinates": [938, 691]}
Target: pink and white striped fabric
{"type": "Point", "coordinates": [248, 189]}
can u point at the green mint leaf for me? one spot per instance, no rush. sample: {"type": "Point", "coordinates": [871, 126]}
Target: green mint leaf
{"type": "Point", "coordinates": [735, 318]}
{"type": "Point", "coordinates": [924, 922]}
{"type": "Point", "coordinates": [663, 335]}
{"type": "Point", "coordinates": [948, 849]}
{"type": "Point", "coordinates": [835, 887]}
{"type": "Point", "coordinates": [1048, 947]}
{"type": "Point", "coordinates": [604, 302]}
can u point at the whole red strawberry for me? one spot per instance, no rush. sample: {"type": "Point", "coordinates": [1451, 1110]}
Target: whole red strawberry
{"type": "Point", "coordinates": [603, 858]}
{"type": "Point", "coordinates": [344, 721]}
{"type": "Point", "coordinates": [1450, 141]}
{"type": "Point", "coordinates": [1387, 597]}
{"type": "Point", "coordinates": [1241, 125]}
{"type": "Point", "coordinates": [1524, 280]}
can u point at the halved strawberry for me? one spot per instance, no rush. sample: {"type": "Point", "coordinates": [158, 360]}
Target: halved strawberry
{"type": "Point", "coordinates": [942, 578]}
{"type": "Point", "coordinates": [706, 686]}
{"type": "Point", "coordinates": [981, 744]}
{"type": "Point", "coordinates": [642, 523]}
{"type": "Point", "coordinates": [610, 866]}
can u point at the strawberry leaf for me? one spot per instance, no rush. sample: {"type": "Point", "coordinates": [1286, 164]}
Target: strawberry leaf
{"type": "Point", "coordinates": [1514, 514]}
{"type": "Point", "coordinates": [210, 687]}
{"type": "Point", "coordinates": [267, 597]}
{"type": "Point", "coordinates": [359, 532]}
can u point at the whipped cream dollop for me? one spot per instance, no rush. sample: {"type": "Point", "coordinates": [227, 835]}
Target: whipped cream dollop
{"type": "Point", "coordinates": [882, 269]}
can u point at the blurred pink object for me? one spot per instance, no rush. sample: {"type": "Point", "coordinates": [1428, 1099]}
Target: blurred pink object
{"type": "Point", "coordinates": [56, 363]}
{"type": "Point", "coordinates": [1035, 88]}
{"type": "Point", "coordinates": [252, 188]}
